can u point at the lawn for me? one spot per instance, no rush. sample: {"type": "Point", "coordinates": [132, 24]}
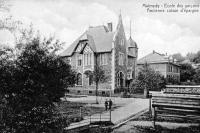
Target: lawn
{"type": "Point", "coordinates": [75, 111]}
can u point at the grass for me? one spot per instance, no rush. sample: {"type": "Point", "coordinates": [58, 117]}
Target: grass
{"type": "Point", "coordinates": [76, 111]}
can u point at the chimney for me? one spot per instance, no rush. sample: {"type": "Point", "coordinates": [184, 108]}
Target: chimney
{"type": "Point", "coordinates": [110, 27]}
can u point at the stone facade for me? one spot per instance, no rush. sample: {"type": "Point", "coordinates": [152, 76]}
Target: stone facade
{"type": "Point", "coordinates": [108, 49]}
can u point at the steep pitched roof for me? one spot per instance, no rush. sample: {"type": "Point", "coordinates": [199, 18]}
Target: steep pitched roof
{"type": "Point", "coordinates": [99, 39]}
{"type": "Point", "coordinates": [154, 57]}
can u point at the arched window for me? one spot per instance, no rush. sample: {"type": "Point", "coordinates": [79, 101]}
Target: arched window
{"type": "Point", "coordinates": [120, 79]}
{"type": "Point", "coordinates": [90, 79]}
{"type": "Point", "coordinates": [79, 79]}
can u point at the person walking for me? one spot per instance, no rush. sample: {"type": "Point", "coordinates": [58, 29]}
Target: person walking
{"type": "Point", "coordinates": [106, 105]}
{"type": "Point", "coordinates": [110, 104]}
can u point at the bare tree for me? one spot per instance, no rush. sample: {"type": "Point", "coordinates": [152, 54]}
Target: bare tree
{"type": "Point", "coordinates": [98, 76]}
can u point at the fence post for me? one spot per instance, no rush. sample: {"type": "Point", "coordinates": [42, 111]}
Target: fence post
{"type": "Point", "coordinates": [90, 118]}
{"type": "Point", "coordinates": [154, 117]}
{"type": "Point", "coordinates": [110, 115]}
{"type": "Point", "coordinates": [150, 96]}
{"type": "Point", "coordinates": [80, 112]}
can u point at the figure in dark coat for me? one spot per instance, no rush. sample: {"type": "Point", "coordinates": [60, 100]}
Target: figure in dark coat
{"type": "Point", "coordinates": [106, 105]}
{"type": "Point", "coordinates": [110, 104]}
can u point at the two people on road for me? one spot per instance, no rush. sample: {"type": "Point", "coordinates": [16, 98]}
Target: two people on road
{"type": "Point", "coordinates": [108, 104]}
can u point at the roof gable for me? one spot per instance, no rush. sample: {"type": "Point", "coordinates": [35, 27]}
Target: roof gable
{"type": "Point", "coordinates": [99, 39]}
{"type": "Point", "coordinates": [153, 57]}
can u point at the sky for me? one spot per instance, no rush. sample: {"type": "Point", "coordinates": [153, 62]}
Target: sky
{"type": "Point", "coordinates": [67, 19]}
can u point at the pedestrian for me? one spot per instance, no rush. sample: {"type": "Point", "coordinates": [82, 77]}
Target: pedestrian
{"type": "Point", "coordinates": [110, 104]}
{"type": "Point", "coordinates": [106, 105]}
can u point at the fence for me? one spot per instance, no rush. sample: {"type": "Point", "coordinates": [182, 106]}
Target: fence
{"type": "Point", "coordinates": [93, 119]}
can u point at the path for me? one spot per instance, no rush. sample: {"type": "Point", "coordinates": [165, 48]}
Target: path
{"type": "Point", "coordinates": [118, 115]}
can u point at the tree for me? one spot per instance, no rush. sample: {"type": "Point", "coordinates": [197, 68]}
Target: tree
{"type": "Point", "coordinates": [30, 87]}
{"type": "Point", "coordinates": [178, 57]}
{"type": "Point", "coordinates": [3, 5]}
{"type": "Point", "coordinates": [148, 79]}
{"type": "Point", "coordinates": [186, 72]}
{"type": "Point", "coordinates": [197, 57]}
{"type": "Point", "coordinates": [98, 76]}
{"type": "Point", "coordinates": [190, 56]}
{"type": "Point", "coordinates": [196, 77]}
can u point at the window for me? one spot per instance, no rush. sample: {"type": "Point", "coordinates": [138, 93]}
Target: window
{"type": "Point", "coordinates": [103, 59]}
{"type": "Point", "coordinates": [90, 80]}
{"type": "Point", "coordinates": [169, 68]}
{"type": "Point", "coordinates": [129, 74]}
{"type": "Point", "coordinates": [122, 42]}
{"type": "Point", "coordinates": [120, 79]}
{"type": "Point", "coordinates": [79, 60]}
{"type": "Point", "coordinates": [79, 79]}
{"type": "Point", "coordinates": [88, 59]}
{"type": "Point", "coordinates": [121, 59]}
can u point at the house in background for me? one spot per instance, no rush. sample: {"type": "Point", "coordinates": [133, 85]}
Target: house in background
{"type": "Point", "coordinates": [166, 65]}
{"type": "Point", "coordinates": [108, 48]}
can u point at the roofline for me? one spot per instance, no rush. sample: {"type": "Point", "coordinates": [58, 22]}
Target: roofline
{"type": "Point", "coordinates": [141, 63]}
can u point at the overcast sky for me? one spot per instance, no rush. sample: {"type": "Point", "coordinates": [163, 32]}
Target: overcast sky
{"type": "Point", "coordinates": [67, 19]}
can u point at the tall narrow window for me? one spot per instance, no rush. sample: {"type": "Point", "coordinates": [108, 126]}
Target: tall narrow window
{"type": "Point", "coordinates": [121, 58]}
{"type": "Point", "coordinates": [79, 79]}
{"type": "Point", "coordinates": [122, 42]}
{"type": "Point", "coordinates": [90, 80]}
{"type": "Point", "coordinates": [120, 79]}
{"type": "Point", "coordinates": [103, 59]}
{"type": "Point", "coordinates": [88, 59]}
{"type": "Point", "coordinates": [79, 61]}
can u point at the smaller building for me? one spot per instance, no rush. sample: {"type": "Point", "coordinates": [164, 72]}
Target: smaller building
{"type": "Point", "coordinates": [166, 65]}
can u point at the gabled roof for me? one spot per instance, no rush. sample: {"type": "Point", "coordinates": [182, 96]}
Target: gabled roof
{"type": "Point", "coordinates": [155, 57]}
{"type": "Point", "coordinates": [99, 38]}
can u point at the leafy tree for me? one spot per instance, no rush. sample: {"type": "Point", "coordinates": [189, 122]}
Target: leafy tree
{"type": "Point", "coordinates": [196, 77]}
{"type": "Point", "coordinates": [30, 87]}
{"type": "Point", "coordinates": [148, 79]}
{"type": "Point", "coordinates": [197, 57]}
{"type": "Point", "coordinates": [186, 72]}
{"type": "Point", "coordinates": [4, 6]}
{"type": "Point", "coordinates": [190, 56]}
{"type": "Point", "coordinates": [178, 57]}
{"type": "Point", "coordinates": [98, 76]}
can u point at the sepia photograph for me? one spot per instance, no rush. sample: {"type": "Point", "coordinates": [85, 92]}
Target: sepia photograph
{"type": "Point", "coordinates": [99, 66]}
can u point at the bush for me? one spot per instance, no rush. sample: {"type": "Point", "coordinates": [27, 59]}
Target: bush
{"type": "Point", "coordinates": [31, 85]}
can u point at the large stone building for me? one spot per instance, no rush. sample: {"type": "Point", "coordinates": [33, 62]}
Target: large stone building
{"type": "Point", "coordinates": [162, 63]}
{"type": "Point", "coordinates": [108, 48]}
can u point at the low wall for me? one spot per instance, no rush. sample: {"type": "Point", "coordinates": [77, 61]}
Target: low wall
{"type": "Point", "coordinates": [182, 89]}
{"type": "Point", "coordinates": [84, 91]}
